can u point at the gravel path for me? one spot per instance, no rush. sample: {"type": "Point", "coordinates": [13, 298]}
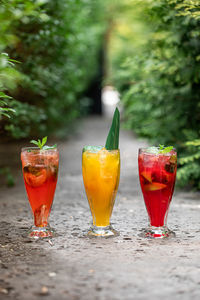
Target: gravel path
{"type": "Point", "coordinates": [74, 267]}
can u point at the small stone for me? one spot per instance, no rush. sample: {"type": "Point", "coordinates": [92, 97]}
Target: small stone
{"type": "Point", "coordinates": [98, 287]}
{"type": "Point", "coordinates": [124, 198]}
{"type": "Point", "coordinates": [127, 238]}
{"type": "Point", "coordinates": [51, 243]}
{"type": "Point", "coordinates": [52, 274]}
{"type": "Point", "coordinates": [3, 291]}
{"type": "Point", "coordinates": [44, 291]}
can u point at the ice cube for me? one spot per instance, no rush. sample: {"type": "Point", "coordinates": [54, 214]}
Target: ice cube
{"type": "Point", "coordinates": [93, 149]}
{"type": "Point", "coordinates": [152, 150]}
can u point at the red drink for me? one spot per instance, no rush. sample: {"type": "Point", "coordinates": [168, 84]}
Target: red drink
{"type": "Point", "coordinates": [40, 171]}
{"type": "Point", "coordinates": [157, 172]}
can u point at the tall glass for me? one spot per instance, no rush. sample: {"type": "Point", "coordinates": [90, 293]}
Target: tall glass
{"type": "Point", "coordinates": [157, 172]}
{"type": "Point", "coordinates": [101, 172]}
{"type": "Point", "coordinates": [40, 172]}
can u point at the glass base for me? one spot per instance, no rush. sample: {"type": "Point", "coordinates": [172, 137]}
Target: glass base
{"type": "Point", "coordinates": [157, 232]}
{"type": "Point", "coordinates": [102, 231]}
{"type": "Point", "coordinates": [41, 232]}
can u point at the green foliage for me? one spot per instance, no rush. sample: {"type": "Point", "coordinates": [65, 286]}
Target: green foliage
{"type": "Point", "coordinates": [189, 173]}
{"type": "Point", "coordinates": [7, 76]}
{"type": "Point", "coordinates": [160, 78]}
{"type": "Point", "coordinates": [6, 175]}
{"type": "Point", "coordinates": [4, 111]}
{"type": "Point", "coordinates": [57, 44]}
{"type": "Point", "coordinates": [26, 120]}
{"type": "Point", "coordinates": [188, 8]}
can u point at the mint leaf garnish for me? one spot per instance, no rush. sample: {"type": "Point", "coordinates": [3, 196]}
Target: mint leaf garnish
{"type": "Point", "coordinates": [112, 142]}
{"type": "Point", "coordinates": [41, 144]}
{"type": "Point", "coordinates": [163, 149]}
{"type": "Point", "coordinates": [49, 147]}
{"type": "Point", "coordinates": [35, 143]}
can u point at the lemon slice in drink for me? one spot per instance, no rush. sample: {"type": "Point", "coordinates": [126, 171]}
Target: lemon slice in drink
{"type": "Point", "coordinates": [155, 186]}
{"type": "Point", "coordinates": [147, 176]}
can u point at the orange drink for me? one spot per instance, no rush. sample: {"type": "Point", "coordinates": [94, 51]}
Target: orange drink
{"type": "Point", "coordinates": [101, 171]}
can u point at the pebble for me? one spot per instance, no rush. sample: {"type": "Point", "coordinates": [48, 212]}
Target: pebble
{"type": "Point", "coordinates": [52, 274]}
{"type": "Point", "coordinates": [44, 291]}
{"type": "Point", "coordinates": [3, 291]}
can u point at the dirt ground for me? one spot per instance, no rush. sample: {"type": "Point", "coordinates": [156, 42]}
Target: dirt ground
{"type": "Point", "coordinates": [74, 267]}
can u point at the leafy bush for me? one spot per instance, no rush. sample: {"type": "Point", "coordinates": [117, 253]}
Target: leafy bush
{"type": "Point", "coordinates": [56, 44]}
{"type": "Point", "coordinates": [7, 73]}
{"type": "Point", "coordinates": [189, 173]}
{"type": "Point", "coordinates": [159, 81]}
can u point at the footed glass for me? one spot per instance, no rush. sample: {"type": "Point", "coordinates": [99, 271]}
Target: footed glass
{"type": "Point", "coordinates": [101, 172]}
{"type": "Point", "coordinates": [40, 172]}
{"type": "Point", "coordinates": [157, 173]}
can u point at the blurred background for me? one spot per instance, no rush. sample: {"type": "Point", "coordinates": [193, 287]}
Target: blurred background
{"type": "Point", "coordinates": [62, 60]}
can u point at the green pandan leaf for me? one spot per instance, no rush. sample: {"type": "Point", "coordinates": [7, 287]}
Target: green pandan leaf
{"type": "Point", "coordinates": [112, 142]}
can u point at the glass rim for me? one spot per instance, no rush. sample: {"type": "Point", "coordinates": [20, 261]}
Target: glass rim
{"type": "Point", "coordinates": [38, 149]}
{"type": "Point", "coordinates": [96, 149]}
{"type": "Point", "coordinates": [145, 149]}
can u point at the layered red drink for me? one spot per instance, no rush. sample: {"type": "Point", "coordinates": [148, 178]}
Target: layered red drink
{"type": "Point", "coordinates": [157, 172]}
